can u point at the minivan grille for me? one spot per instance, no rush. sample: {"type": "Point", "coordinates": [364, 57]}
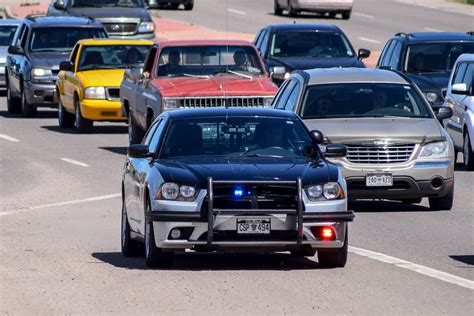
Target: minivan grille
{"type": "Point", "coordinates": [221, 101]}
{"type": "Point", "coordinates": [372, 154]}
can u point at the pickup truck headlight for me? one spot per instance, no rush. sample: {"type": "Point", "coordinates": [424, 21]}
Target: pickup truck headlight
{"type": "Point", "coordinates": [146, 27]}
{"type": "Point", "coordinates": [41, 74]}
{"type": "Point", "coordinates": [267, 101]}
{"type": "Point", "coordinates": [173, 191]}
{"type": "Point", "coordinates": [435, 150]}
{"type": "Point", "coordinates": [328, 191]}
{"type": "Point", "coordinates": [94, 93]}
{"type": "Point", "coordinates": [170, 104]}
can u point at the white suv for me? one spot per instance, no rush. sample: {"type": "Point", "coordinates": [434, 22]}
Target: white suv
{"type": "Point", "coordinates": [460, 97]}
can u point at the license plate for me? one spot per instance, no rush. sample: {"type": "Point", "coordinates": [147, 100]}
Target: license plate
{"type": "Point", "coordinates": [253, 226]}
{"type": "Point", "coordinates": [379, 180]}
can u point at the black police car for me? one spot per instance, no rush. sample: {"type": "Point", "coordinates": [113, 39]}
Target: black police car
{"type": "Point", "coordinates": [38, 48]}
{"type": "Point", "coordinates": [288, 47]}
{"type": "Point", "coordinates": [226, 179]}
{"type": "Point", "coordinates": [427, 59]}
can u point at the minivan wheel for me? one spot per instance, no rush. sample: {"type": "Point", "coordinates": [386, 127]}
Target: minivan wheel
{"type": "Point", "coordinates": [130, 247]}
{"type": "Point", "coordinates": [335, 258]}
{"type": "Point", "coordinates": [277, 10]}
{"type": "Point", "coordinates": [154, 256]}
{"type": "Point", "coordinates": [27, 110]}
{"type": "Point", "coordinates": [65, 119]}
{"type": "Point", "coordinates": [83, 125]}
{"type": "Point", "coordinates": [13, 104]}
{"type": "Point", "coordinates": [468, 153]}
{"type": "Point", "coordinates": [444, 203]}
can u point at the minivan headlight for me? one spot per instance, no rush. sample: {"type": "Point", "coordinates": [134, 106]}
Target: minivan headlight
{"type": "Point", "coordinates": [146, 27]}
{"type": "Point", "coordinates": [435, 150]}
{"type": "Point", "coordinates": [94, 93]}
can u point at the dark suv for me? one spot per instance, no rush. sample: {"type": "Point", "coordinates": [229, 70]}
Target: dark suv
{"type": "Point", "coordinates": [427, 59]}
{"type": "Point", "coordinates": [288, 47]}
{"type": "Point", "coordinates": [38, 48]}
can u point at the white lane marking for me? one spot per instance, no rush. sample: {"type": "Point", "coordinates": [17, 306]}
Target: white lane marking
{"type": "Point", "coordinates": [430, 29]}
{"type": "Point", "coordinates": [75, 162]}
{"type": "Point", "coordinates": [91, 199]}
{"type": "Point", "coordinates": [237, 11]}
{"type": "Point", "coordinates": [6, 137]}
{"type": "Point", "coordinates": [365, 39]}
{"type": "Point", "coordinates": [443, 276]}
{"type": "Point", "coordinates": [362, 15]}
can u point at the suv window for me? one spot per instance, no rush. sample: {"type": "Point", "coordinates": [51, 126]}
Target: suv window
{"type": "Point", "coordinates": [395, 58]}
{"type": "Point", "coordinates": [459, 74]}
{"type": "Point", "coordinates": [19, 36]}
{"type": "Point", "coordinates": [24, 37]}
{"type": "Point", "coordinates": [286, 94]}
{"type": "Point", "coordinates": [260, 39]}
{"type": "Point", "coordinates": [387, 53]}
{"type": "Point", "coordinates": [468, 77]}
{"type": "Point", "coordinates": [291, 102]}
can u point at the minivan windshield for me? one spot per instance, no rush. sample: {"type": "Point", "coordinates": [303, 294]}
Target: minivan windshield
{"type": "Point", "coordinates": [351, 100]}
{"type": "Point", "coordinates": [206, 61]}
{"type": "Point", "coordinates": [237, 137]}
{"type": "Point", "coordinates": [435, 57]}
{"type": "Point", "coordinates": [322, 44]}
{"type": "Point", "coordinates": [108, 3]}
{"type": "Point", "coordinates": [7, 32]}
{"type": "Point", "coordinates": [62, 39]}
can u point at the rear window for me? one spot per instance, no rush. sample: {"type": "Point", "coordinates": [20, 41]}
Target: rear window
{"type": "Point", "coordinates": [62, 39]}
{"type": "Point", "coordinates": [7, 32]}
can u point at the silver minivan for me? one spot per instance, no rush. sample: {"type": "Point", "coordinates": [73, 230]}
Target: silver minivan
{"type": "Point", "coordinates": [397, 147]}
{"type": "Point", "coordinates": [460, 98]}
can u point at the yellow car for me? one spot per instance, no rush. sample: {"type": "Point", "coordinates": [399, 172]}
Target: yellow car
{"type": "Point", "coordinates": [88, 85]}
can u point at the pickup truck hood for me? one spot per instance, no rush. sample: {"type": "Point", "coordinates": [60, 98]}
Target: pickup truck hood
{"type": "Point", "coordinates": [370, 129]}
{"type": "Point", "coordinates": [301, 63]}
{"type": "Point", "coordinates": [101, 78]}
{"type": "Point", "coordinates": [112, 12]}
{"type": "Point", "coordinates": [48, 60]}
{"type": "Point", "coordinates": [214, 86]}
{"type": "Point", "coordinates": [196, 171]}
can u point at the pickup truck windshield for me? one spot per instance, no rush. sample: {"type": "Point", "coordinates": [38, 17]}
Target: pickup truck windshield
{"type": "Point", "coordinates": [237, 137]}
{"type": "Point", "coordinates": [6, 34]}
{"type": "Point", "coordinates": [352, 100]}
{"type": "Point", "coordinates": [189, 61]}
{"type": "Point", "coordinates": [111, 56]}
{"type": "Point", "coordinates": [62, 39]}
{"type": "Point", "coordinates": [310, 44]}
{"type": "Point", "coordinates": [435, 57]}
{"type": "Point", "coordinates": [108, 3]}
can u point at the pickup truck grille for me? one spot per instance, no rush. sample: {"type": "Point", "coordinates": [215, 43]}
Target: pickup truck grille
{"type": "Point", "coordinates": [366, 154]}
{"type": "Point", "coordinates": [205, 102]}
{"type": "Point", "coordinates": [120, 28]}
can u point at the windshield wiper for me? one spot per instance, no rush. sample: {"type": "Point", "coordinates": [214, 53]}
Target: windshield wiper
{"type": "Point", "coordinates": [196, 76]}
{"type": "Point", "coordinates": [387, 116]}
{"type": "Point", "coordinates": [234, 73]}
{"type": "Point", "coordinates": [87, 5]}
{"type": "Point", "coordinates": [252, 155]}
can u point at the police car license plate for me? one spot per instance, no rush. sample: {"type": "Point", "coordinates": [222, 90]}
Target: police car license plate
{"type": "Point", "coordinates": [379, 180]}
{"type": "Point", "coordinates": [253, 226]}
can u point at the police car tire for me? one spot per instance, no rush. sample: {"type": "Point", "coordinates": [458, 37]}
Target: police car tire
{"type": "Point", "coordinates": [334, 259]}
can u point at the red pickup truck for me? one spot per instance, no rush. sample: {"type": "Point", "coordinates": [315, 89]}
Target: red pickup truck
{"type": "Point", "coordinates": [193, 74]}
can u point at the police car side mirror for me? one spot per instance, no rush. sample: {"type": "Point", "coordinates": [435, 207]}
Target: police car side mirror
{"type": "Point", "coordinates": [317, 137]}
{"type": "Point", "coordinates": [335, 151]}
{"type": "Point", "coordinates": [363, 53]}
{"type": "Point", "coordinates": [138, 151]}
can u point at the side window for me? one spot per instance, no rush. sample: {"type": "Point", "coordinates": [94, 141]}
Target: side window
{"type": "Point", "coordinates": [255, 40]}
{"type": "Point", "coordinates": [388, 54]}
{"type": "Point", "coordinates": [72, 59]}
{"type": "Point", "coordinates": [19, 35]}
{"type": "Point", "coordinates": [150, 59]}
{"type": "Point", "coordinates": [459, 74]}
{"type": "Point", "coordinates": [24, 37]}
{"type": "Point", "coordinates": [286, 94]}
{"type": "Point", "coordinates": [279, 93]}
{"type": "Point", "coordinates": [383, 53]}
{"type": "Point", "coordinates": [393, 62]}
{"type": "Point", "coordinates": [258, 43]}
{"type": "Point", "coordinates": [468, 77]}
{"type": "Point", "coordinates": [149, 134]}
{"type": "Point", "coordinates": [291, 102]}
{"type": "Point", "coordinates": [155, 139]}
{"type": "Point", "coordinates": [264, 46]}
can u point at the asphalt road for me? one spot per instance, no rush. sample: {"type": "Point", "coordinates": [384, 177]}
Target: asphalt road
{"type": "Point", "coordinates": [60, 219]}
{"type": "Point", "coordinates": [60, 257]}
{"type": "Point", "coordinates": [371, 24]}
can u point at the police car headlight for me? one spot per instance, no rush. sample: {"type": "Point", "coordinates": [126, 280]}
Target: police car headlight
{"type": "Point", "coordinates": [187, 192]}
{"type": "Point", "coordinates": [173, 191]}
{"type": "Point", "coordinates": [331, 190]}
{"type": "Point", "coordinates": [314, 192]}
{"type": "Point", "coordinates": [328, 191]}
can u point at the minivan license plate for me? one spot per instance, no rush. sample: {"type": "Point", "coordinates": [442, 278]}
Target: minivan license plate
{"type": "Point", "coordinates": [253, 226]}
{"type": "Point", "coordinates": [379, 180]}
